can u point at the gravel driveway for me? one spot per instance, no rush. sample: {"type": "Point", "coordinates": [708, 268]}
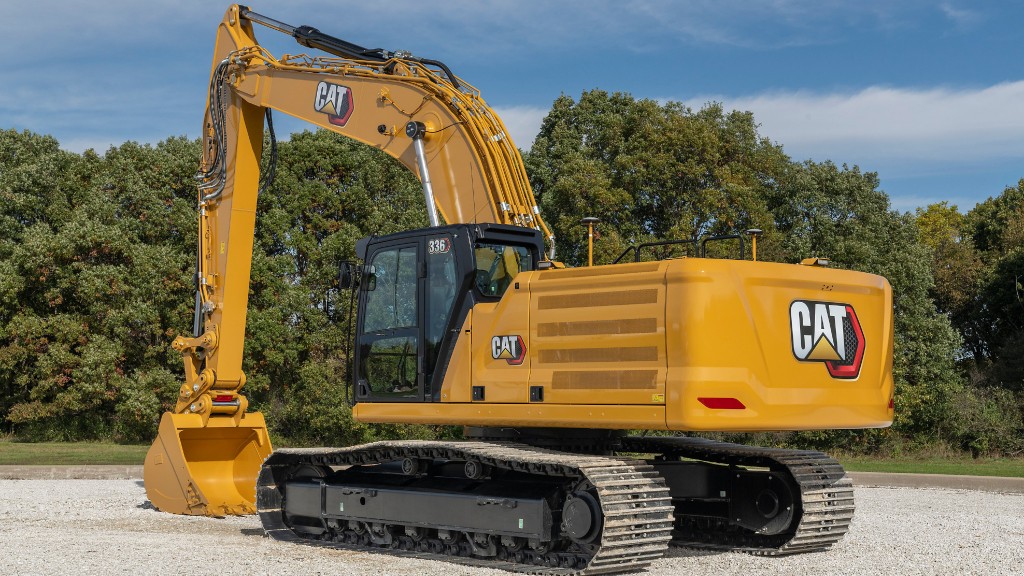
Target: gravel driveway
{"type": "Point", "coordinates": [107, 527]}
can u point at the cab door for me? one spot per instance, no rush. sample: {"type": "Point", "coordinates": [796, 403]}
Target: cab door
{"type": "Point", "coordinates": [405, 310]}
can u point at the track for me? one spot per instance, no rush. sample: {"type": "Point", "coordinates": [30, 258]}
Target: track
{"type": "Point", "coordinates": [824, 508]}
{"type": "Point", "coordinates": [629, 514]}
{"type": "Point", "coordinates": [631, 528]}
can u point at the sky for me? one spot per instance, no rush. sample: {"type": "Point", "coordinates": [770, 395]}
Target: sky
{"type": "Point", "coordinates": [930, 95]}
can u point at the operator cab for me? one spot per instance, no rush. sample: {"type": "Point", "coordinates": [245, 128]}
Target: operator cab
{"type": "Point", "coordinates": [414, 294]}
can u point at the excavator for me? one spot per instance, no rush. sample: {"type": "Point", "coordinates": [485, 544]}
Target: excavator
{"type": "Point", "coordinates": [572, 385]}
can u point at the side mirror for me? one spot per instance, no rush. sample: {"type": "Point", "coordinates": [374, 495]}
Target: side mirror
{"type": "Point", "coordinates": [347, 275]}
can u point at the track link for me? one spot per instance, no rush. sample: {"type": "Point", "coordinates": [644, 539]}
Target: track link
{"type": "Point", "coordinates": [824, 509]}
{"type": "Point", "coordinates": [636, 510]}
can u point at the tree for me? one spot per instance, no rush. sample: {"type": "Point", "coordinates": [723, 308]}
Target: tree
{"type": "Point", "coordinates": [999, 314]}
{"type": "Point", "coordinates": [38, 183]}
{"type": "Point", "coordinates": [98, 265]}
{"type": "Point", "coordinates": [97, 259]}
{"type": "Point", "coordinates": [648, 171]}
{"type": "Point", "coordinates": [979, 289]}
{"type": "Point", "coordinates": [993, 320]}
{"type": "Point", "coordinates": [997, 224]}
{"type": "Point", "coordinates": [84, 352]}
{"type": "Point", "coordinates": [956, 266]}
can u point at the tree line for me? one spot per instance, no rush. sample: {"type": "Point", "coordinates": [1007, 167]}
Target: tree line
{"type": "Point", "coordinates": [97, 258]}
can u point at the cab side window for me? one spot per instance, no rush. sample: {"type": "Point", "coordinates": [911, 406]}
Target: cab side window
{"type": "Point", "coordinates": [497, 265]}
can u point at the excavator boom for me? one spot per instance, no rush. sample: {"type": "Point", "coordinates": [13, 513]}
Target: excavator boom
{"type": "Point", "coordinates": [206, 456]}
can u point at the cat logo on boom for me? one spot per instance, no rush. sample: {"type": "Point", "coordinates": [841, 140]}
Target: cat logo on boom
{"type": "Point", "coordinates": [827, 332]}
{"type": "Point", "coordinates": [335, 101]}
{"type": "Point", "coordinates": [511, 349]}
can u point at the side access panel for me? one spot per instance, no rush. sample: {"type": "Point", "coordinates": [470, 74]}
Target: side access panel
{"type": "Point", "coordinates": [597, 335]}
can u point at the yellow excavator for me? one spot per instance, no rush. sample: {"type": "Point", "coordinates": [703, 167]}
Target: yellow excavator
{"type": "Point", "coordinates": [471, 322]}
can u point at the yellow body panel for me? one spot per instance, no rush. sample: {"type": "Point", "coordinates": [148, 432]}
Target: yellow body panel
{"type": "Point", "coordinates": [522, 415]}
{"type": "Point", "coordinates": [637, 346]}
{"type": "Point", "coordinates": [599, 337]}
{"type": "Point", "coordinates": [503, 382]}
{"type": "Point", "coordinates": [733, 338]}
{"type": "Point", "coordinates": [460, 363]}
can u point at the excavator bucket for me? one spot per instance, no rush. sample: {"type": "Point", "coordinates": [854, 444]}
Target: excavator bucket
{"type": "Point", "coordinates": [206, 469]}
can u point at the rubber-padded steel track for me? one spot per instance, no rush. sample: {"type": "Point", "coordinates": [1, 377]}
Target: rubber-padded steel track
{"type": "Point", "coordinates": [635, 504]}
{"type": "Point", "coordinates": [825, 507]}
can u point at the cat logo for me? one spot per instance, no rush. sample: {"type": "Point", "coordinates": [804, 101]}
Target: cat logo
{"type": "Point", "coordinates": [827, 332]}
{"type": "Point", "coordinates": [511, 349]}
{"type": "Point", "coordinates": [335, 101]}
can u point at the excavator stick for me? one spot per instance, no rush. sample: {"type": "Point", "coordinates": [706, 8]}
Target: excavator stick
{"type": "Point", "coordinates": [206, 469]}
{"type": "Point", "coordinates": [208, 453]}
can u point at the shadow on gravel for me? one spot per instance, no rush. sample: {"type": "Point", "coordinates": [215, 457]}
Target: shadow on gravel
{"type": "Point", "coordinates": [140, 483]}
{"type": "Point", "coordinates": [252, 532]}
{"type": "Point", "coordinates": [147, 505]}
{"type": "Point", "coordinates": [674, 552]}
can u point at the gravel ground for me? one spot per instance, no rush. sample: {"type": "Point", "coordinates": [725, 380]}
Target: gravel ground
{"type": "Point", "coordinates": [108, 527]}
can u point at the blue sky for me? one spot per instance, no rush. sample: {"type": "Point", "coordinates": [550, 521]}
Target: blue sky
{"type": "Point", "coordinates": [928, 94]}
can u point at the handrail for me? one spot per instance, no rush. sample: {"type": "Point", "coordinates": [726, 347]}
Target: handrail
{"type": "Point", "coordinates": [704, 243]}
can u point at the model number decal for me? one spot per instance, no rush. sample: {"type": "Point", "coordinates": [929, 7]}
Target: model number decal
{"type": "Point", "coordinates": [440, 245]}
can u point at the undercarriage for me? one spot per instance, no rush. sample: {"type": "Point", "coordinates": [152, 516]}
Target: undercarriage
{"type": "Point", "coordinates": [509, 505]}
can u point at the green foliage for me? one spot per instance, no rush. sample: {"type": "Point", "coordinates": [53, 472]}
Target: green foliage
{"type": "Point", "coordinates": [648, 171]}
{"type": "Point", "coordinates": [97, 259]}
{"type": "Point", "coordinates": [95, 262]}
{"type": "Point", "coordinates": [998, 312]}
{"type": "Point", "coordinates": [96, 281]}
{"type": "Point", "coordinates": [989, 421]}
{"type": "Point", "coordinates": [957, 267]}
{"type": "Point", "coordinates": [995, 225]}
{"type": "Point", "coordinates": [977, 260]}
{"type": "Point", "coordinates": [1007, 369]}
{"type": "Point", "coordinates": [995, 313]}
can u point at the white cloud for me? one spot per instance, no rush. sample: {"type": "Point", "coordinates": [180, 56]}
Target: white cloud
{"type": "Point", "coordinates": [962, 18]}
{"type": "Point", "coordinates": [921, 126]}
{"type": "Point", "coordinates": [936, 143]}
{"type": "Point", "coordinates": [522, 122]}
{"type": "Point", "coordinates": [920, 130]}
